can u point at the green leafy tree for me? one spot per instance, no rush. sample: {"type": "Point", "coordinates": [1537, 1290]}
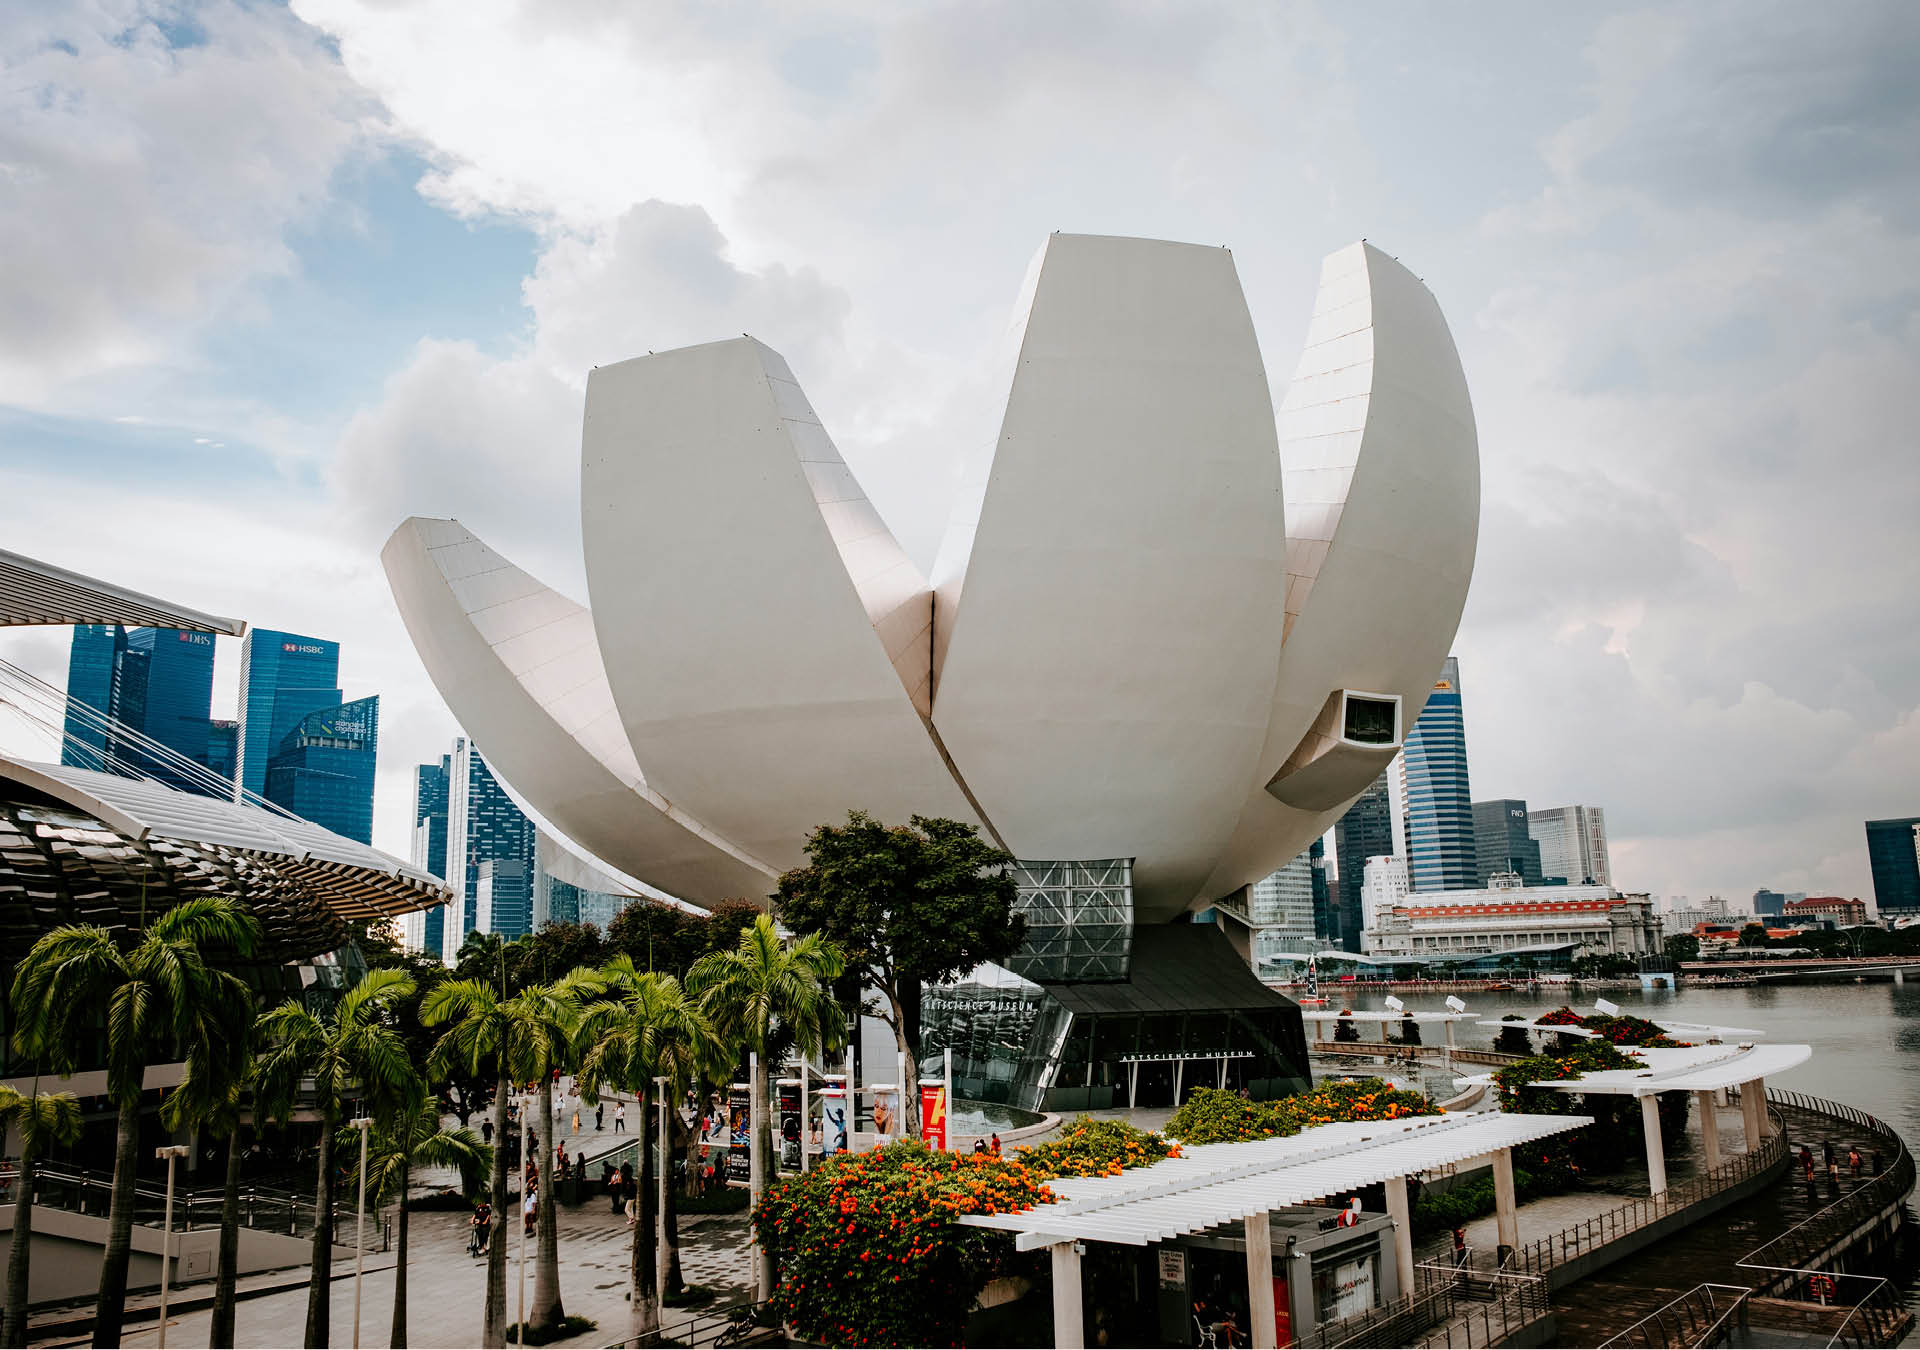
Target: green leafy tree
{"type": "Point", "coordinates": [414, 1138]}
{"type": "Point", "coordinates": [544, 1023]}
{"type": "Point", "coordinates": [555, 948]}
{"type": "Point", "coordinates": [907, 906]}
{"type": "Point", "coordinates": [1683, 947]}
{"type": "Point", "coordinates": [763, 987]}
{"type": "Point", "coordinates": [648, 1029]}
{"type": "Point", "coordinates": [40, 1121]}
{"type": "Point", "coordinates": [1753, 935]}
{"type": "Point", "coordinates": [151, 992]}
{"type": "Point", "coordinates": [354, 1054]}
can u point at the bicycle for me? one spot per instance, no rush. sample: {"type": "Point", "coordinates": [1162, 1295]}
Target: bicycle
{"type": "Point", "coordinates": [741, 1323]}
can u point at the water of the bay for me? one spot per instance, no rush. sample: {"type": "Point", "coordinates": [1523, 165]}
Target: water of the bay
{"type": "Point", "coordinates": [1865, 1037]}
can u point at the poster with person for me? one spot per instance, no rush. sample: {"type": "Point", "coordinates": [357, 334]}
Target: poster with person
{"type": "Point", "coordinates": [792, 1136]}
{"type": "Point", "coordinates": [886, 1114]}
{"type": "Point", "coordinates": [740, 1135]}
{"type": "Point", "coordinates": [833, 1110]}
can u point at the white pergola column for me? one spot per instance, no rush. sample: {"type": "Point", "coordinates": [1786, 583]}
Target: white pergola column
{"type": "Point", "coordinates": [1709, 1130]}
{"type": "Point", "coordinates": [1506, 1217]}
{"type": "Point", "coordinates": [1760, 1114]}
{"type": "Point", "coordinates": [1069, 1326]}
{"type": "Point", "coordinates": [1448, 1024]}
{"type": "Point", "coordinates": [1656, 1147]}
{"type": "Point", "coordinates": [1750, 1113]}
{"type": "Point", "coordinates": [1265, 1331]}
{"type": "Point", "coordinates": [1402, 1215]}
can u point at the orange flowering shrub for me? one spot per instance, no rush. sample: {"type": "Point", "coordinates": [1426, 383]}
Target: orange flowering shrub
{"type": "Point", "coordinates": [1086, 1147]}
{"type": "Point", "coordinates": [866, 1249]}
{"type": "Point", "coordinates": [1214, 1117]}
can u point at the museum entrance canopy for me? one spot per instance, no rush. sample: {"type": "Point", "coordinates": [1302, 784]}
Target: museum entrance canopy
{"type": "Point", "coordinates": [78, 846]}
{"type": "Point", "coordinates": [33, 592]}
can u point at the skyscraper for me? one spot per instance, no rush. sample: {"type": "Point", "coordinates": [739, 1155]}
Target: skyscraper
{"type": "Point", "coordinates": [1501, 842]}
{"type": "Point", "coordinates": [425, 930]}
{"type": "Point", "coordinates": [223, 740]}
{"type": "Point", "coordinates": [1894, 854]}
{"type": "Point", "coordinates": [1322, 893]}
{"type": "Point", "coordinates": [1280, 906]}
{"type": "Point", "coordinates": [323, 769]}
{"type": "Point", "coordinates": [1365, 831]}
{"type": "Point", "coordinates": [1434, 792]}
{"type": "Point", "coordinates": [155, 683]}
{"type": "Point", "coordinates": [283, 677]}
{"type": "Point", "coordinates": [483, 825]}
{"type": "Point", "coordinates": [1573, 844]}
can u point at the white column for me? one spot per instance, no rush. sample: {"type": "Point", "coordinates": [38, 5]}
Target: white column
{"type": "Point", "coordinates": [1656, 1147]}
{"type": "Point", "coordinates": [1709, 1129]}
{"type": "Point", "coordinates": [1402, 1215]}
{"type": "Point", "coordinates": [1760, 1114]}
{"type": "Point", "coordinates": [1069, 1327]}
{"type": "Point", "coordinates": [1265, 1331]}
{"type": "Point", "coordinates": [1750, 1113]}
{"type": "Point", "coordinates": [1507, 1220]}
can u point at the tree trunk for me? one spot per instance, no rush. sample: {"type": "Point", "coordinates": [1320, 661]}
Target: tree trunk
{"type": "Point", "coordinates": [399, 1336]}
{"type": "Point", "coordinates": [14, 1331]}
{"type": "Point", "coordinates": [320, 1280]}
{"type": "Point", "coordinates": [493, 1330]}
{"type": "Point", "coordinates": [682, 1148]}
{"type": "Point", "coordinates": [905, 1023]}
{"type": "Point", "coordinates": [547, 1309]}
{"type": "Point", "coordinates": [227, 1268]}
{"type": "Point", "coordinates": [111, 1305]}
{"type": "Point", "coordinates": [642, 1288]}
{"type": "Point", "coordinates": [763, 1146]}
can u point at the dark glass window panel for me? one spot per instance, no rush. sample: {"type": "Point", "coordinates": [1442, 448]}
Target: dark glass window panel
{"type": "Point", "coordinates": [1370, 720]}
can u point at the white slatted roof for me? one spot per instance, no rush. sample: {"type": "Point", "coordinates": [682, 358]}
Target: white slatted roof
{"type": "Point", "coordinates": [33, 592]}
{"type": "Point", "coordinates": [1213, 1184]}
{"type": "Point", "coordinates": [363, 881]}
{"type": "Point", "coordinates": [1388, 1017]}
{"type": "Point", "coordinates": [1698, 1068]}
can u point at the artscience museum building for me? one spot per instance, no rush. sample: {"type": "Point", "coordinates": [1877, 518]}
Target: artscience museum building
{"type": "Point", "coordinates": [1168, 637]}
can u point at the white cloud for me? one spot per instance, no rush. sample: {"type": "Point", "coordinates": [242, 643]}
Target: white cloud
{"type": "Point", "coordinates": [148, 181]}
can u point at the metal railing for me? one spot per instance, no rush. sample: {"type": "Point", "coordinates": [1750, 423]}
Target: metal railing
{"type": "Point", "coordinates": [1448, 1306]}
{"type": "Point", "coordinates": [1706, 1315]}
{"type": "Point", "coordinates": [1795, 1264]}
{"type": "Point", "coordinates": [1543, 1254]}
{"type": "Point", "coordinates": [702, 1327]}
{"type": "Point", "coordinates": [261, 1207]}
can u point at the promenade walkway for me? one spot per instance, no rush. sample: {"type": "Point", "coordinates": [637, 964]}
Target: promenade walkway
{"type": "Point", "coordinates": [1606, 1303]}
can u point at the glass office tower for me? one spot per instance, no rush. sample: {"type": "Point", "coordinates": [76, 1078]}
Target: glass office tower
{"type": "Point", "coordinates": [324, 769]}
{"type": "Point", "coordinates": [1365, 831]}
{"type": "Point", "coordinates": [283, 678]}
{"type": "Point", "coordinates": [1434, 793]}
{"type": "Point", "coordinates": [1501, 842]}
{"type": "Point", "coordinates": [155, 683]}
{"type": "Point", "coordinates": [1894, 855]}
{"type": "Point", "coordinates": [425, 931]}
{"type": "Point", "coordinates": [484, 825]}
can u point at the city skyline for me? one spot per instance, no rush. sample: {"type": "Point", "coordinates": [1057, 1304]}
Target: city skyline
{"type": "Point", "coordinates": [442, 266]}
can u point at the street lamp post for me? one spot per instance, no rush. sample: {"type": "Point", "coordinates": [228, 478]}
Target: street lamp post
{"type": "Point", "coordinates": [362, 1124]}
{"type": "Point", "coordinates": [171, 1153]}
{"type": "Point", "coordinates": [527, 1138]}
{"type": "Point", "coordinates": [660, 1207]}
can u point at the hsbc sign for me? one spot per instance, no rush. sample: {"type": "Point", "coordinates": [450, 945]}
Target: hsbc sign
{"type": "Point", "coordinates": [311, 649]}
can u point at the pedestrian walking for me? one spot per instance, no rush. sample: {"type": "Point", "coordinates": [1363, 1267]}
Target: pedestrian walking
{"type": "Point", "coordinates": [576, 1120]}
{"type": "Point", "coordinates": [994, 1147]}
{"type": "Point", "coordinates": [530, 1211]}
{"type": "Point", "coordinates": [1853, 1161]}
{"type": "Point", "coordinates": [486, 1133]}
{"type": "Point", "coordinates": [599, 1117]}
{"type": "Point", "coordinates": [1806, 1160]}
{"type": "Point", "coordinates": [619, 1117]}
{"type": "Point", "coordinates": [1832, 1160]}
{"type": "Point", "coordinates": [1459, 1246]}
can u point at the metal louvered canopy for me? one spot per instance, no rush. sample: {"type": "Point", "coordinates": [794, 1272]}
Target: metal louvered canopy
{"type": "Point", "coordinates": [33, 592]}
{"type": "Point", "coordinates": [81, 846]}
{"type": "Point", "coordinates": [1213, 1184]}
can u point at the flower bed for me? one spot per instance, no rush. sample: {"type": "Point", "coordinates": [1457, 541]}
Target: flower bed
{"type": "Point", "coordinates": [1096, 1148]}
{"type": "Point", "coordinates": [1213, 1117]}
{"type": "Point", "coordinates": [1621, 1030]}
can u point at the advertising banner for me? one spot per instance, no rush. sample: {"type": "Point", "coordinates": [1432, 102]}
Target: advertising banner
{"type": "Point", "coordinates": [886, 1115]}
{"type": "Point", "coordinates": [833, 1113]}
{"type": "Point", "coordinates": [739, 1135]}
{"type": "Point", "coordinates": [792, 1128]}
{"type": "Point", "coordinates": [933, 1114]}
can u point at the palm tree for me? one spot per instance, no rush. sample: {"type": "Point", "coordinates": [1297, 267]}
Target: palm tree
{"type": "Point", "coordinates": [210, 1096]}
{"type": "Point", "coordinates": [151, 995]}
{"type": "Point", "coordinates": [648, 1029]}
{"type": "Point", "coordinates": [416, 1138]}
{"type": "Point", "coordinates": [545, 1020]}
{"type": "Point", "coordinates": [480, 1034]}
{"type": "Point", "coordinates": [42, 1120]}
{"type": "Point", "coordinates": [351, 1055]}
{"type": "Point", "coordinates": [763, 985]}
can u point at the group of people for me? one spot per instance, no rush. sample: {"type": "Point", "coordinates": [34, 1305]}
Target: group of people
{"type": "Point", "coordinates": [1831, 1156]}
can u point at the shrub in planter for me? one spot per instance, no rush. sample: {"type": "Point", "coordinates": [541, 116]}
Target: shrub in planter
{"type": "Point", "coordinates": [1345, 1029]}
{"type": "Point", "coordinates": [1213, 1117]}
{"type": "Point", "coordinates": [867, 1250]}
{"type": "Point", "coordinates": [1086, 1147]}
{"type": "Point", "coordinates": [1409, 1031]}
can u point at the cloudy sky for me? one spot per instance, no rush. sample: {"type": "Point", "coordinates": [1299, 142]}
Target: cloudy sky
{"type": "Point", "coordinates": [273, 277]}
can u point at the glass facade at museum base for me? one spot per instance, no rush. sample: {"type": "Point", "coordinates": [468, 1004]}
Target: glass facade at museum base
{"type": "Point", "coordinates": [1191, 1015]}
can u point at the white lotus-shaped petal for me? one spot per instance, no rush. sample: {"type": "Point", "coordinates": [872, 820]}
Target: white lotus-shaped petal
{"type": "Point", "coordinates": [1130, 648]}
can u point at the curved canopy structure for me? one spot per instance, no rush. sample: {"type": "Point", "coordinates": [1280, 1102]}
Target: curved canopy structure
{"type": "Point", "coordinates": [83, 847]}
{"type": "Point", "coordinates": [34, 592]}
{"type": "Point", "coordinates": [1163, 632]}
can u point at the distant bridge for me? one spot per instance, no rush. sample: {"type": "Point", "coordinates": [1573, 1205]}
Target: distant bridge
{"type": "Point", "coordinates": [1799, 970]}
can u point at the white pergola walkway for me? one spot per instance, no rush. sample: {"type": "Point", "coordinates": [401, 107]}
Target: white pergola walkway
{"type": "Point", "coordinates": [1707, 1071]}
{"type": "Point", "coordinates": [1213, 1184]}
